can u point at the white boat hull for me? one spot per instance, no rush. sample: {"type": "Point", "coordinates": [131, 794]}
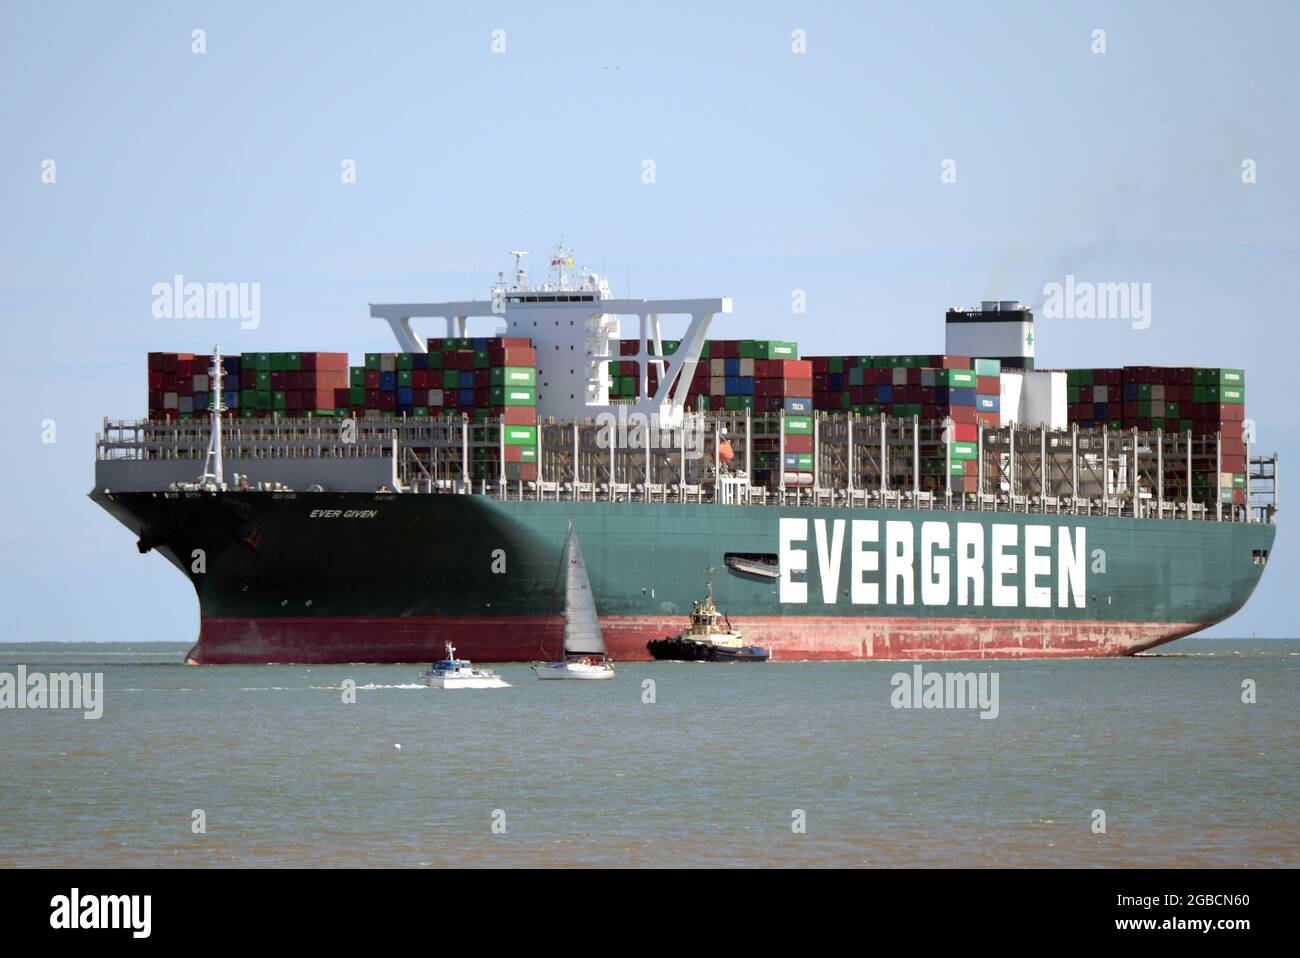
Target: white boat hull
{"type": "Point", "coordinates": [573, 670]}
{"type": "Point", "coordinates": [463, 682]}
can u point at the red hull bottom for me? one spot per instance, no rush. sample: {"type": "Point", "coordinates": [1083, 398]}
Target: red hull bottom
{"type": "Point", "coordinates": [225, 640]}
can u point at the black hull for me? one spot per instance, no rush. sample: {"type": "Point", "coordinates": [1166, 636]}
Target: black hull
{"type": "Point", "coordinates": [686, 650]}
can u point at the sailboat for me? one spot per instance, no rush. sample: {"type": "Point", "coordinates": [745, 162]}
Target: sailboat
{"type": "Point", "coordinates": [584, 647]}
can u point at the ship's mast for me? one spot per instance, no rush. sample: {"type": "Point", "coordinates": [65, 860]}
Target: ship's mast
{"type": "Point", "coordinates": [213, 468]}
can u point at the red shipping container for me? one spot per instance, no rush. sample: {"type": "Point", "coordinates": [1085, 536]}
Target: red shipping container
{"type": "Point", "coordinates": [155, 362]}
{"type": "Point", "coordinates": [155, 399]}
{"type": "Point", "coordinates": [293, 401]}
{"type": "Point", "coordinates": [791, 368]}
{"type": "Point", "coordinates": [373, 398]}
{"type": "Point", "coordinates": [988, 386]}
{"type": "Point", "coordinates": [965, 432]}
{"type": "Point", "coordinates": [372, 380]}
{"type": "Point", "coordinates": [1226, 413]}
{"type": "Point", "coordinates": [798, 443]}
{"type": "Point", "coordinates": [513, 341]}
{"type": "Point", "coordinates": [1233, 463]}
{"type": "Point", "coordinates": [515, 415]}
{"type": "Point", "coordinates": [341, 399]}
{"type": "Point", "coordinates": [1232, 447]}
{"type": "Point", "coordinates": [965, 415]}
{"type": "Point", "coordinates": [291, 380]}
{"type": "Point", "coordinates": [324, 361]}
{"type": "Point", "coordinates": [528, 471]}
{"type": "Point", "coordinates": [513, 356]}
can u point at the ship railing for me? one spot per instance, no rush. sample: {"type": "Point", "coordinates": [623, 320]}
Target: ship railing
{"type": "Point", "coordinates": [1022, 470]}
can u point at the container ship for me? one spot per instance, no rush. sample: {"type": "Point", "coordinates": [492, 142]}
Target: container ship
{"type": "Point", "coordinates": [961, 505]}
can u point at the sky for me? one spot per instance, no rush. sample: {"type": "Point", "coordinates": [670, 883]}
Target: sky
{"type": "Point", "coordinates": [782, 160]}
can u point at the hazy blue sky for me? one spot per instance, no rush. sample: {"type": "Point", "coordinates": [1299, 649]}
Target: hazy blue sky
{"type": "Point", "coordinates": [775, 171]}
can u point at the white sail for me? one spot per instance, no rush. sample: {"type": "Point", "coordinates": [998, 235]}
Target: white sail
{"type": "Point", "coordinates": [581, 629]}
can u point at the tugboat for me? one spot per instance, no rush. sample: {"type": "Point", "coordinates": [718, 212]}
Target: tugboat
{"type": "Point", "coordinates": [454, 673]}
{"type": "Point", "coordinates": [705, 640]}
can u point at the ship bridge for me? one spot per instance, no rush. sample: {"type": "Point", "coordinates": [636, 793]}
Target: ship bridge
{"type": "Point", "coordinates": [575, 326]}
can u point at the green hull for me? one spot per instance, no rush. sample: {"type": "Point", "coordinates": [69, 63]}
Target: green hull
{"type": "Point", "coordinates": [329, 577]}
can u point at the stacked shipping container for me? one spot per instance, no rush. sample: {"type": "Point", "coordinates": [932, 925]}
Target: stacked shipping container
{"type": "Point", "coordinates": [254, 384]}
{"type": "Point", "coordinates": [1180, 399]}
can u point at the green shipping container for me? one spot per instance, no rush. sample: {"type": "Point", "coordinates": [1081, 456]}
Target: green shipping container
{"type": "Point", "coordinates": [798, 425]}
{"type": "Point", "coordinates": [450, 379]}
{"type": "Point", "coordinates": [1219, 377]}
{"type": "Point", "coordinates": [961, 378]}
{"type": "Point", "coordinates": [372, 361]}
{"type": "Point", "coordinates": [775, 349]}
{"type": "Point", "coordinates": [514, 376]}
{"type": "Point", "coordinates": [521, 436]}
{"type": "Point", "coordinates": [357, 376]}
{"type": "Point", "coordinates": [513, 396]}
{"type": "Point", "coordinates": [964, 450]}
{"type": "Point", "coordinates": [293, 362]}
